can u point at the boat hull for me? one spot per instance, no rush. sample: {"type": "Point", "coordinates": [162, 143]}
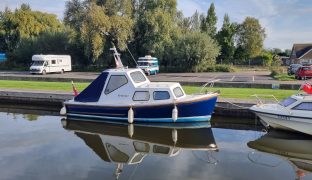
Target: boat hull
{"type": "Point", "coordinates": [284, 122]}
{"type": "Point", "coordinates": [196, 111]}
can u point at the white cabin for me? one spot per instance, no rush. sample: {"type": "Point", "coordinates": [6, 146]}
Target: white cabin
{"type": "Point", "coordinates": [130, 87]}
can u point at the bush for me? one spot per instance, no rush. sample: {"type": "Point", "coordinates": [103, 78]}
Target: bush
{"type": "Point", "coordinates": [276, 71]}
{"type": "Point", "coordinates": [224, 68]}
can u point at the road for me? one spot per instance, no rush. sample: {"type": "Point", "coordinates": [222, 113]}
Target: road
{"type": "Point", "coordinates": [256, 77]}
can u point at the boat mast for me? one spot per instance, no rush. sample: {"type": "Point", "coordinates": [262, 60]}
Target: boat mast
{"type": "Point", "coordinates": [117, 58]}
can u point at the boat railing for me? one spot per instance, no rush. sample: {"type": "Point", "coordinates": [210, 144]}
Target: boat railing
{"type": "Point", "coordinates": [268, 99]}
{"type": "Point", "coordinates": [265, 98]}
{"type": "Point", "coordinates": [211, 85]}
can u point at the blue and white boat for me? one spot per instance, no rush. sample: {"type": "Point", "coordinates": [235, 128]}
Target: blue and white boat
{"type": "Point", "coordinates": [124, 94]}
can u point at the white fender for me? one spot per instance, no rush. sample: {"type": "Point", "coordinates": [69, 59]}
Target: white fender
{"type": "Point", "coordinates": [130, 115]}
{"type": "Point", "coordinates": [63, 111]}
{"type": "Point", "coordinates": [175, 113]}
{"type": "Point", "coordinates": [174, 134]}
{"type": "Point", "coordinates": [130, 130]}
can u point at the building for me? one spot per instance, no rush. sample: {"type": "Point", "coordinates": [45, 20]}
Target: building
{"type": "Point", "coordinates": [301, 54]}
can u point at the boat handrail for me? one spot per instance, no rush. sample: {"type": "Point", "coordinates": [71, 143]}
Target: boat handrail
{"type": "Point", "coordinates": [269, 95]}
{"type": "Point", "coordinates": [210, 86]}
{"type": "Point", "coordinates": [257, 96]}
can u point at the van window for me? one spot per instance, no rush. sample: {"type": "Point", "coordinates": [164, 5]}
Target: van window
{"type": "Point", "coordinates": [178, 92]}
{"type": "Point", "coordinates": [137, 77]}
{"type": "Point", "coordinates": [59, 60]}
{"type": "Point", "coordinates": [307, 106]}
{"type": "Point", "coordinates": [141, 96]}
{"type": "Point", "coordinates": [53, 62]}
{"type": "Point", "coordinates": [161, 95]}
{"type": "Point", "coordinates": [115, 82]}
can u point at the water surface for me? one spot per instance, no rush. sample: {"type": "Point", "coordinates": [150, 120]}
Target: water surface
{"type": "Point", "coordinates": [41, 147]}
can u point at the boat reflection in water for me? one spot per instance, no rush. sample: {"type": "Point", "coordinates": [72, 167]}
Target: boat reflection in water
{"type": "Point", "coordinates": [294, 147]}
{"type": "Point", "coordinates": [129, 143]}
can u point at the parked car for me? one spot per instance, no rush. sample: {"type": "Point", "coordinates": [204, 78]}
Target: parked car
{"type": "Point", "coordinates": [293, 68]}
{"type": "Point", "coordinates": [304, 72]}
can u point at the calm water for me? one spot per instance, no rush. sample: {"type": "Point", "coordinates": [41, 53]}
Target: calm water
{"type": "Point", "coordinates": [42, 147]}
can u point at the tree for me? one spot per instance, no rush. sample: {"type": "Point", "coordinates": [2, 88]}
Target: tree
{"type": "Point", "coordinates": [99, 24]}
{"type": "Point", "coordinates": [225, 38]}
{"type": "Point", "coordinates": [25, 23]}
{"type": "Point", "coordinates": [250, 37]}
{"type": "Point", "coordinates": [210, 22]}
{"type": "Point", "coordinates": [195, 51]}
{"type": "Point", "coordinates": [155, 30]}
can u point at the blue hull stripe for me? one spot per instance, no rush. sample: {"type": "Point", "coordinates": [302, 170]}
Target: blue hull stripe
{"type": "Point", "coordinates": [165, 120]}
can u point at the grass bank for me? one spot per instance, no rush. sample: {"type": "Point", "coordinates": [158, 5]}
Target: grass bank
{"type": "Point", "coordinates": [240, 93]}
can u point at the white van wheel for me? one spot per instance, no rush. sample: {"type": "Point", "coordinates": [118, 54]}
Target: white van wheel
{"type": "Point", "coordinates": [44, 72]}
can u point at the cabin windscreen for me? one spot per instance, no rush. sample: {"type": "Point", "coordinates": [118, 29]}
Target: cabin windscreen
{"type": "Point", "coordinates": [93, 92]}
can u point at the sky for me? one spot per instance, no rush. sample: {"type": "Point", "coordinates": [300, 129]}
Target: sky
{"type": "Point", "coordinates": [285, 21]}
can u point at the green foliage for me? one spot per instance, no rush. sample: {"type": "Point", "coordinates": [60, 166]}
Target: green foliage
{"type": "Point", "coordinates": [210, 22]}
{"type": "Point", "coordinates": [195, 51]}
{"type": "Point", "coordinates": [250, 37]}
{"type": "Point", "coordinates": [224, 68]}
{"type": "Point", "coordinates": [225, 38]}
{"type": "Point", "coordinates": [155, 29]}
{"type": "Point", "coordinates": [24, 23]}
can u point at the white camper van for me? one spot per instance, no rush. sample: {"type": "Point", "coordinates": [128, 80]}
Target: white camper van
{"type": "Point", "coordinates": [42, 64]}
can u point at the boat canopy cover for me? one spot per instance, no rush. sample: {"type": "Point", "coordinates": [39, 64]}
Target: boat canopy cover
{"type": "Point", "coordinates": [93, 92]}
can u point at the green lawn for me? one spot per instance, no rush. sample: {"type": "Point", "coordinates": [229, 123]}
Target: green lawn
{"type": "Point", "coordinates": [241, 93]}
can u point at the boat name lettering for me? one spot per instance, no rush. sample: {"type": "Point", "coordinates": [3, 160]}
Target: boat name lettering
{"type": "Point", "coordinates": [123, 95]}
{"type": "Point", "coordinates": [284, 117]}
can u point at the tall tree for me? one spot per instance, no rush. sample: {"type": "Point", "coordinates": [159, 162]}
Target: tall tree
{"type": "Point", "coordinates": [25, 23]}
{"type": "Point", "coordinates": [210, 22]}
{"type": "Point", "coordinates": [225, 38]}
{"type": "Point", "coordinates": [99, 23]}
{"type": "Point", "coordinates": [155, 28]}
{"type": "Point", "coordinates": [250, 37]}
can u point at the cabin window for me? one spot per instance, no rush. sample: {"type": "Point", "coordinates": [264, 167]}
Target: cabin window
{"type": "Point", "coordinates": [178, 92]}
{"type": "Point", "coordinates": [161, 95]}
{"type": "Point", "coordinates": [53, 62]}
{"type": "Point", "coordinates": [307, 106]}
{"type": "Point", "coordinates": [115, 82]}
{"type": "Point", "coordinates": [141, 96]}
{"type": "Point", "coordinates": [161, 149]}
{"type": "Point", "coordinates": [287, 102]}
{"type": "Point", "coordinates": [137, 77]}
{"type": "Point", "coordinates": [115, 154]}
{"type": "Point", "coordinates": [141, 147]}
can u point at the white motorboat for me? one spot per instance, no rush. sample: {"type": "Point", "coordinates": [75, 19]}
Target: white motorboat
{"type": "Point", "coordinates": [293, 113]}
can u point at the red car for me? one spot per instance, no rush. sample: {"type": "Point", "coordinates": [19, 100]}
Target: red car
{"type": "Point", "coordinates": [304, 72]}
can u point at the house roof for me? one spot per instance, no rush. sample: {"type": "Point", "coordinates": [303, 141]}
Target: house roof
{"type": "Point", "coordinates": [302, 50]}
